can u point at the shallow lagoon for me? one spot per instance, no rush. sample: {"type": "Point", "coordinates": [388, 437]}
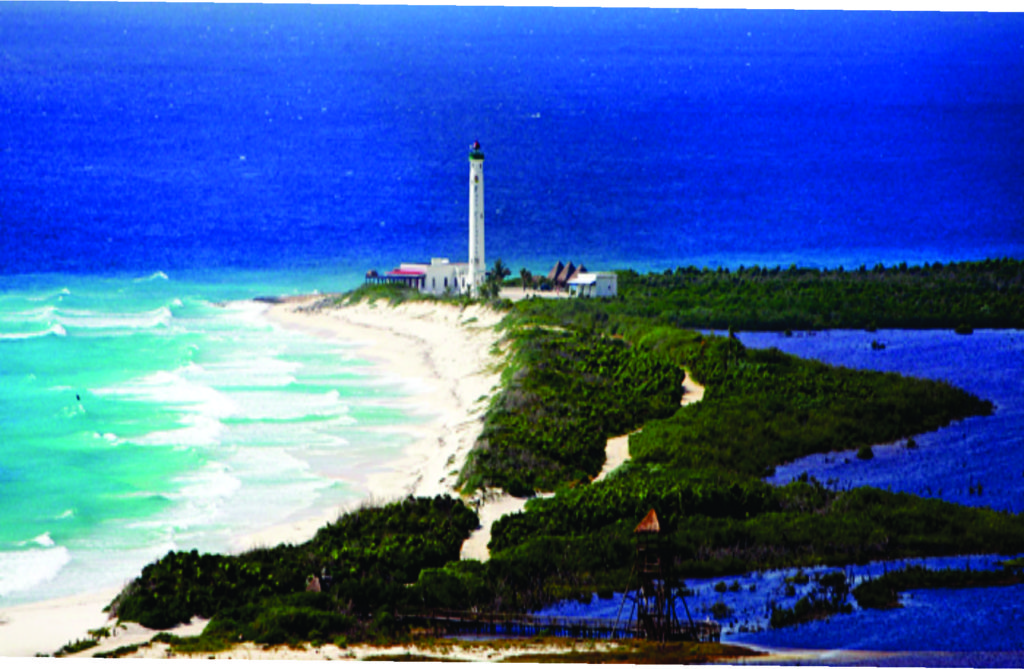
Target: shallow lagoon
{"type": "Point", "coordinates": [975, 462]}
{"type": "Point", "coordinates": [964, 627]}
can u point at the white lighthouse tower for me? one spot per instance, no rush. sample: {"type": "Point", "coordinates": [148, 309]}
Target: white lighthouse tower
{"type": "Point", "coordinates": [477, 266]}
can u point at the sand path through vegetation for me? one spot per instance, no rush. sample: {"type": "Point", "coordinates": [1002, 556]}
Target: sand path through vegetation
{"type": "Point", "coordinates": [495, 506]}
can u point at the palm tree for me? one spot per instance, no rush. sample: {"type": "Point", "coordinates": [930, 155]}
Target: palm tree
{"type": "Point", "coordinates": [500, 271]}
{"type": "Point", "coordinates": [527, 278]}
{"type": "Point", "coordinates": [492, 286]}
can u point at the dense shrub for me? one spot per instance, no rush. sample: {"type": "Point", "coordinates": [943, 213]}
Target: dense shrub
{"type": "Point", "coordinates": [986, 294]}
{"type": "Point", "coordinates": [564, 394]}
{"type": "Point", "coordinates": [883, 592]}
{"type": "Point", "coordinates": [368, 558]}
{"type": "Point", "coordinates": [764, 408]}
{"type": "Point", "coordinates": [458, 586]}
{"type": "Point", "coordinates": [300, 616]}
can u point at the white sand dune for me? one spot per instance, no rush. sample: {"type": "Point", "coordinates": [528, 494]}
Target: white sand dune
{"type": "Point", "coordinates": [445, 349]}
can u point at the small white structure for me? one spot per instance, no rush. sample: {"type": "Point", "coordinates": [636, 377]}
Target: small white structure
{"type": "Point", "coordinates": [442, 277]}
{"type": "Point", "coordinates": [438, 277]}
{"type": "Point", "coordinates": [594, 284]}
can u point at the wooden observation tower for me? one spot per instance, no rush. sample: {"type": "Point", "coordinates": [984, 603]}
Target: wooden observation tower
{"type": "Point", "coordinates": [654, 605]}
{"type": "Point", "coordinates": [657, 590]}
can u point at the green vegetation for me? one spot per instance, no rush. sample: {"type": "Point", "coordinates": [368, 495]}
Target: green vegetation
{"type": "Point", "coordinates": [120, 651]}
{"type": "Point", "coordinates": [799, 578]}
{"type": "Point", "coordinates": [80, 645]}
{"type": "Point", "coordinates": [883, 592]}
{"type": "Point", "coordinates": [491, 287]}
{"type": "Point", "coordinates": [394, 294]}
{"type": "Point", "coordinates": [580, 541]}
{"type": "Point", "coordinates": [764, 408]}
{"type": "Point", "coordinates": [365, 561]}
{"type": "Point", "coordinates": [564, 394]}
{"type": "Point", "coordinates": [73, 647]}
{"type": "Point", "coordinates": [206, 643]}
{"type": "Point", "coordinates": [720, 610]}
{"type": "Point", "coordinates": [987, 294]}
{"type": "Point", "coordinates": [829, 597]}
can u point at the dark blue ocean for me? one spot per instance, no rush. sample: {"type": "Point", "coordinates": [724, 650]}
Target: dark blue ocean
{"type": "Point", "coordinates": [332, 139]}
{"type": "Point", "coordinates": [157, 160]}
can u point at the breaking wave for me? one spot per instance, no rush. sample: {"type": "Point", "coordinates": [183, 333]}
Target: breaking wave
{"type": "Point", "coordinates": [152, 277]}
{"type": "Point", "coordinates": [57, 330]}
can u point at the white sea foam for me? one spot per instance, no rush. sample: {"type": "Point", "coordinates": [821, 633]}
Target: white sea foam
{"type": "Point", "coordinates": [303, 437]}
{"type": "Point", "coordinates": [108, 437]}
{"type": "Point", "coordinates": [72, 411]}
{"type": "Point", "coordinates": [277, 485]}
{"type": "Point", "coordinates": [32, 315]}
{"type": "Point", "coordinates": [211, 484]}
{"type": "Point", "coordinates": [49, 296]}
{"type": "Point", "coordinates": [199, 501]}
{"type": "Point", "coordinates": [266, 472]}
{"type": "Point", "coordinates": [175, 388]}
{"type": "Point", "coordinates": [254, 369]}
{"type": "Point", "coordinates": [246, 310]}
{"type": "Point", "coordinates": [98, 320]}
{"type": "Point", "coordinates": [24, 570]}
{"type": "Point", "coordinates": [196, 430]}
{"type": "Point", "coordinates": [55, 330]}
{"type": "Point", "coordinates": [44, 540]}
{"type": "Point", "coordinates": [204, 406]}
{"type": "Point", "coordinates": [267, 405]}
{"type": "Point", "coordinates": [152, 277]}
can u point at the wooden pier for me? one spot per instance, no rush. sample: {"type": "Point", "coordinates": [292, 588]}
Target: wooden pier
{"type": "Point", "coordinates": [458, 623]}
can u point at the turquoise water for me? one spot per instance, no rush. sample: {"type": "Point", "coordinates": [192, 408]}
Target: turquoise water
{"type": "Point", "coordinates": [140, 414]}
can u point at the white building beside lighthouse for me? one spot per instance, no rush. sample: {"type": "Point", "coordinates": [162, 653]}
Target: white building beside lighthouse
{"type": "Point", "coordinates": [477, 264]}
{"type": "Point", "coordinates": [441, 276]}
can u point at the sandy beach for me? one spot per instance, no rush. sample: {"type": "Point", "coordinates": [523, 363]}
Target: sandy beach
{"type": "Point", "coordinates": [445, 351]}
{"type": "Point", "coordinates": [43, 627]}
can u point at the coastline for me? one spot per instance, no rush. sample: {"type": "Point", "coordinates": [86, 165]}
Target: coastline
{"type": "Point", "coordinates": [442, 351]}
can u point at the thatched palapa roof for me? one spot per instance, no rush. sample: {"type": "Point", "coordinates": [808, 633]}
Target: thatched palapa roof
{"type": "Point", "coordinates": [562, 274]}
{"type": "Point", "coordinates": [555, 271]}
{"type": "Point", "coordinates": [649, 524]}
{"type": "Point", "coordinates": [566, 273]}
